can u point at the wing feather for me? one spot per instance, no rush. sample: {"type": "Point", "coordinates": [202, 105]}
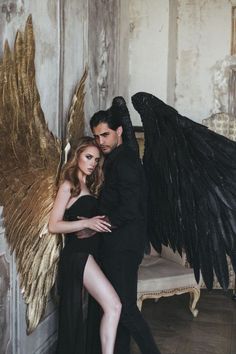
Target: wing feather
{"type": "Point", "coordinates": [192, 178]}
{"type": "Point", "coordinates": [76, 122]}
{"type": "Point", "coordinates": [30, 159]}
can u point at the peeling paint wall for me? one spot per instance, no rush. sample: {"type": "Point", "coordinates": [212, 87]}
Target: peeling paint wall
{"type": "Point", "coordinates": [103, 43]}
{"type": "Point", "coordinates": [148, 49]}
{"type": "Point", "coordinates": [73, 53]}
{"type": "Point", "coordinates": [204, 38]}
{"type": "Point", "coordinates": [174, 49]}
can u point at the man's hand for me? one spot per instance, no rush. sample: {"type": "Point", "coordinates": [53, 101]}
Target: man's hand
{"type": "Point", "coordinates": [107, 219]}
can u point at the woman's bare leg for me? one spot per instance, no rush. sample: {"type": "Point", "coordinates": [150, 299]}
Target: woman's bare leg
{"type": "Point", "coordinates": [102, 291]}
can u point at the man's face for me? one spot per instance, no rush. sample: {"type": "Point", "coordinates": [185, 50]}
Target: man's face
{"type": "Point", "coordinates": [107, 138]}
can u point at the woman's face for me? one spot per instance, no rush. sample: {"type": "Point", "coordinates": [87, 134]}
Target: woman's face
{"type": "Point", "coordinates": [88, 160]}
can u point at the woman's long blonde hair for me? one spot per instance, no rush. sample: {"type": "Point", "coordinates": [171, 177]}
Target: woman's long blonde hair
{"type": "Point", "coordinates": [70, 171]}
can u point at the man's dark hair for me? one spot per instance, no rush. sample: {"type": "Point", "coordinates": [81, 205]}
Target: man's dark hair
{"type": "Point", "coordinates": [109, 117]}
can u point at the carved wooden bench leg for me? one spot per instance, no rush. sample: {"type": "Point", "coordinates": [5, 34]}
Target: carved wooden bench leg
{"type": "Point", "coordinates": [193, 292]}
{"type": "Point", "coordinates": [140, 303]}
{"type": "Point", "coordinates": [194, 297]}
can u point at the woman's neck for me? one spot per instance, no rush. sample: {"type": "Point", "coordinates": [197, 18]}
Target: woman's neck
{"type": "Point", "coordinates": [82, 179]}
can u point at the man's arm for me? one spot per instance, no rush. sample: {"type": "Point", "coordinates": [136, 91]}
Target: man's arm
{"type": "Point", "coordinates": [130, 182]}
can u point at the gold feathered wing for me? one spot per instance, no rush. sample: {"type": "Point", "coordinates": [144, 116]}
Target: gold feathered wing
{"type": "Point", "coordinates": [30, 159]}
{"type": "Point", "coordinates": [30, 164]}
{"type": "Point", "coordinates": [75, 125]}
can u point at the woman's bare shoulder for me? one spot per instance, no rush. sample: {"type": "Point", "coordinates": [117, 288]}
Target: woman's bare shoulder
{"type": "Point", "coordinates": [65, 187]}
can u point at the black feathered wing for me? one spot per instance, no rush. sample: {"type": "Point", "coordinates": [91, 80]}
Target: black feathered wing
{"type": "Point", "coordinates": [120, 109]}
{"type": "Point", "coordinates": [191, 172]}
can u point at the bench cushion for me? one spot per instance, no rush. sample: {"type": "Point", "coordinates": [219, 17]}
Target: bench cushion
{"type": "Point", "coordinates": [157, 273]}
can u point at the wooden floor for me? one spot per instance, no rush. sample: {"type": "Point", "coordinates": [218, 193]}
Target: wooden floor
{"type": "Point", "coordinates": [177, 332]}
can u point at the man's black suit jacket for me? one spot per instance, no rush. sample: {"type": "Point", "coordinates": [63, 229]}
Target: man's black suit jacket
{"type": "Point", "coordinates": [124, 200]}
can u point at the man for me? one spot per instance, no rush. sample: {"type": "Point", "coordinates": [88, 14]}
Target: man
{"type": "Point", "coordinates": [123, 200]}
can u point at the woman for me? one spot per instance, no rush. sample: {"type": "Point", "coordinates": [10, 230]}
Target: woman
{"type": "Point", "coordinates": [75, 209]}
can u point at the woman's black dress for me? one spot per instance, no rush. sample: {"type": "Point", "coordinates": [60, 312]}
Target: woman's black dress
{"type": "Point", "coordinates": [71, 334]}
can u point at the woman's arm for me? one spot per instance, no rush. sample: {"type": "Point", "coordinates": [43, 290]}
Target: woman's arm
{"type": "Point", "coordinates": [58, 225]}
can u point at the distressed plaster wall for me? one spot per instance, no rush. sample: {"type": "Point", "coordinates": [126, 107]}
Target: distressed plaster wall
{"type": "Point", "coordinates": [172, 52]}
{"type": "Point", "coordinates": [102, 47]}
{"type": "Point", "coordinates": [6, 336]}
{"type": "Point", "coordinates": [123, 54]}
{"type": "Point", "coordinates": [204, 38]}
{"type": "Point", "coordinates": [73, 55]}
{"type": "Point", "coordinates": [174, 47]}
{"type": "Point", "coordinates": [148, 49]}
{"type": "Point", "coordinates": [103, 44]}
